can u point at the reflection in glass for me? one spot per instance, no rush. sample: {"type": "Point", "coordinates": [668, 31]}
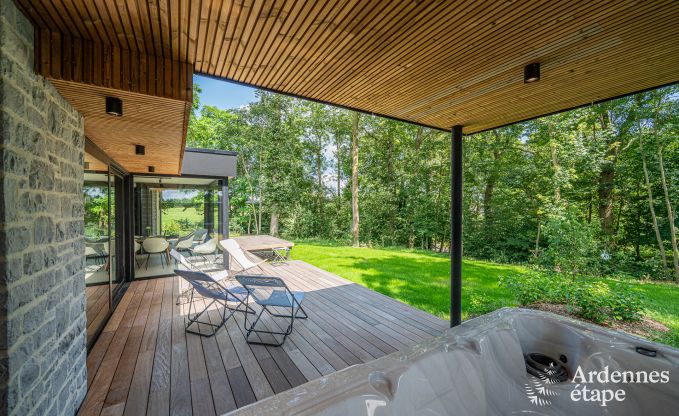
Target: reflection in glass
{"type": "Point", "coordinates": [174, 213]}
{"type": "Point", "coordinates": [97, 221]}
{"type": "Point", "coordinates": [96, 228]}
{"type": "Point", "coordinates": [116, 226]}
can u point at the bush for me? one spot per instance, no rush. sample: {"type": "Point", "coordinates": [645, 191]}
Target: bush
{"type": "Point", "coordinates": [481, 304]}
{"type": "Point", "coordinates": [600, 302]}
{"type": "Point", "coordinates": [572, 245]}
{"type": "Point", "coordinates": [597, 301]}
{"type": "Point", "coordinates": [536, 286]}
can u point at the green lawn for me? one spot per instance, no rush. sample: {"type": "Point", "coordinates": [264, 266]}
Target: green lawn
{"type": "Point", "coordinates": [180, 213]}
{"type": "Point", "coordinates": [421, 279]}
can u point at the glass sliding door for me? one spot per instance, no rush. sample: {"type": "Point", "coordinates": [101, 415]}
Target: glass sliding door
{"type": "Point", "coordinates": [105, 268]}
{"type": "Point", "coordinates": [178, 213]}
{"type": "Point", "coordinates": [97, 249]}
{"type": "Point", "coordinates": [117, 231]}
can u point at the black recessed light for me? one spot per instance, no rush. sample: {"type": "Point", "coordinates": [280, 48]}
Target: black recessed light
{"type": "Point", "coordinates": [139, 149]}
{"type": "Point", "coordinates": [114, 106]}
{"type": "Point", "coordinates": [531, 72]}
{"type": "Point", "coordinates": [87, 165]}
{"type": "Point", "coordinates": [152, 169]}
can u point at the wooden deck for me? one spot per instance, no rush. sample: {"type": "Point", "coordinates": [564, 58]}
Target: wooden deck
{"type": "Point", "coordinates": [144, 362]}
{"type": "Point", "coordinates": [96, 309]}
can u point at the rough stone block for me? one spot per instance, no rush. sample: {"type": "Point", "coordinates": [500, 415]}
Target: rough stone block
{"type": "Point", "coordinates": [43, 230]}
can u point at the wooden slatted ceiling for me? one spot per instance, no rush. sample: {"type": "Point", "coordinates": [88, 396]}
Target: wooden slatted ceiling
{"type": "Point", "coordinates": [437, 63]}
{"type": "Point", "coordinates": [157, 123]}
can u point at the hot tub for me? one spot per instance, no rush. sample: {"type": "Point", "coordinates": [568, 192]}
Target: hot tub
{"type": "Point", "coordinates": [480, 368]}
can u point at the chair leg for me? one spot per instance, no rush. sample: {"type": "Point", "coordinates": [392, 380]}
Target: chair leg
{"type": "Point", "coordinates": [214, 327]}
{"type": "Point", "coordinates": [251, 329]}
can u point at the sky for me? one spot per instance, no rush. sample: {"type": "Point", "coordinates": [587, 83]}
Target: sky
{"type": "Point", "coordinates": [223, 94]}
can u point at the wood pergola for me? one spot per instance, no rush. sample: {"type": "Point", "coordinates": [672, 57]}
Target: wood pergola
{"type": "Point", "coordinates": [443, 64]}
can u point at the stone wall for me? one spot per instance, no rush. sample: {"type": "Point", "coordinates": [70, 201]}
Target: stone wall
{"type": "Point", "coordinates": [42, 283]}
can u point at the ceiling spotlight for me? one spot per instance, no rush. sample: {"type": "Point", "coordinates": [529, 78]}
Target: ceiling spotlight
{"type": "Point", "coordinates": [139, 149]}
{"type": "Point", "coordinates": [114, 106]}
{"type": "Point", "coordinates": [531, 72]}
{"type": "Point", "coordinates": [152, 169]}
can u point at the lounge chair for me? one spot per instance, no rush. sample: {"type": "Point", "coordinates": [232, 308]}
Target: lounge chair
{"type": "Point", "coordinates": [183, 243]}
{"type": "Point", "coordinates": [199, 235]}
{"type": "Point", "coordinates": [205, 249]}
{"type": "Point", "coordinates": [271, 292]}
{"type": "Point", "coordinates": [236, 252]}
{"type": "Point", "coordinates": [206, 286]}
{"type": "Point", "coordinates": [182, 261]}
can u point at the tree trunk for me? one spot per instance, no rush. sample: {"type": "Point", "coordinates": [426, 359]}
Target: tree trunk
{"type": "Point", "coordinates": [606, 178]}
{"type": "Point", "coordinates": [392, 189]}
{"type": "Point", "coordinates": [661, 245]}
{"type": "Point", "coordinates": [670, 215]}
{"type": "Point", "coordinates": [557, 169]}
{"type": "Point", "coordinates": [606, 182]}
{"type": "Point", "coordinates": [488, 190]}
{"type": "Point", "coordinates": [339, 172]}
{"type": "Point", "coordinates": [273, 228]}
{"type": "Point", "coordinates": [536, 252]}
{"type": "Point", "coordinates": [354, 179]}
{"type": "Point", "coordinates": [319, 176]}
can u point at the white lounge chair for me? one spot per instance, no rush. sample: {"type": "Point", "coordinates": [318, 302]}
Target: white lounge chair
{"type": "Point", "coordinates": [205, 249]}
{"type": "Point", "coordinates": [236, 252]}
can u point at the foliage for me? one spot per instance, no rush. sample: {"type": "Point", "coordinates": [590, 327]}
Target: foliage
{"type": "Point", "coordinates": [421, 279]}
{"type": "Point", "coordinates": [596, 300]}
{"type": "Point", "coordinates": [572, 245]}
{"type": "Point", "coordinates": [96, 210]}
{"type": "Point", "coordinates": [600, 302]}
{"type": "Point", "coordinates": [565, 191]}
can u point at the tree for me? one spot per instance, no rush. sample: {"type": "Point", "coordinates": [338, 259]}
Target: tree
{"type": "Point", "coordinates": [354, 179]}
{"type": "Point", "coordinates": [597, 172]}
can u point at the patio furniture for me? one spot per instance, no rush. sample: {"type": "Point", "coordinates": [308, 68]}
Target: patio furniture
{"type": "Point", "coordinates": [206, 286]}
{"type": "Point", "coordinates": [137, 249]}
{"type": "Point", "coordinates": [155, 245]}
{"type": "Point", "coordinates": [263, 245]}
{"type": "Point", "coordinates": [280, 255]}
{"type": "Point", "coordinates": [183, 243]}
{"type": "Point", "coordinates": [199, 235]}
{"type": "Point", "coordinates": [187, 265]}
{"type": "Point", "coordinates": [91, 252]}
{"type": "Point", "coordinates": [236, 252]}
{"type": "Point", "coordinates": [205, 249]}
{"type": "Point", "coordinates": [271, 292]}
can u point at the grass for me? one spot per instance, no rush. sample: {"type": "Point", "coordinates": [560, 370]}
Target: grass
{"type": "Point", "coordinates": [180, 213]}
{"type": "Point", "coordinates": [421, 279]}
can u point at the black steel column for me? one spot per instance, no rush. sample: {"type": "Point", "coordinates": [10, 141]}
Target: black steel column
{"type": "Point", "coordinates": [456, 227]}
{"type": "Point", "coordinates": [224, 215]}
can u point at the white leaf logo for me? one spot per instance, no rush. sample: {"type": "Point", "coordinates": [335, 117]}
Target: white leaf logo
{"type": "Point", "coordinates": [537, 388]}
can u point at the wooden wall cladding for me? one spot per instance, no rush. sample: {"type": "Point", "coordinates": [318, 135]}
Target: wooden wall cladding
{"type": "Point", "coordinates": [68, 58]}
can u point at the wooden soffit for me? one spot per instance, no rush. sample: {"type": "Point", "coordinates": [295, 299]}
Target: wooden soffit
{"type": "Point", "coordinates": [436, 63]}
{"type": "Point", "coordinates": [156, 93]}
{"type": "Point", "coordinates": [157, 123]}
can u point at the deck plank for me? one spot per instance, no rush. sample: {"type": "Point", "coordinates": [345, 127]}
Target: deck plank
{"type": "Point", "coordinates": [159, 390]}
{"type": "Point", "coordinates": [145, 363]}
